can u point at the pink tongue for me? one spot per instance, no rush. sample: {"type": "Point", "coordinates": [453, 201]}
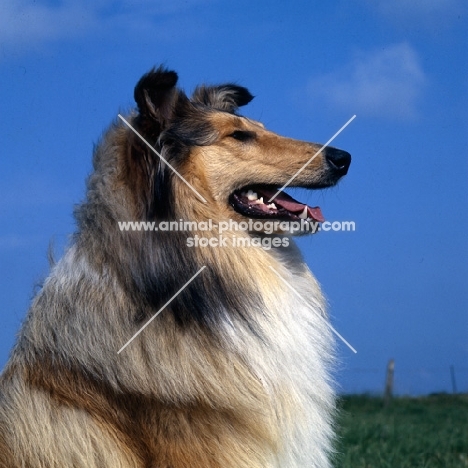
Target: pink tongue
{"type": "Point", "coordinates": [288, 203]}
{"type": "Point", "coordinates": [315, 213]}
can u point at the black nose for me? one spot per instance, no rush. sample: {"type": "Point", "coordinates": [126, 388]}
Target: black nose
{"type": "Point", "coordinates": [338, 160]}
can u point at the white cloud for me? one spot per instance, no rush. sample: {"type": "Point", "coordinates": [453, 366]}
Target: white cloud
{"type": "Point", "coordinates": [428, 13]}
{"type": "Point", "coordinates": [29, 24]}
{"type": "Point", "coordinates": [23, 22]}
{"type": "Point", "coordinates": [383, 83]}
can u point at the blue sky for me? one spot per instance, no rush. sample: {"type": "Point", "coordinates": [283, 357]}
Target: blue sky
{"type": "Point", "coordinates": [398, 285]}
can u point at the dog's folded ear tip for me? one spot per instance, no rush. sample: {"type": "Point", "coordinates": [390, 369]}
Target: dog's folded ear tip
{"type": "Point", "coordinates": [245, 96]}
{"type": "Point", "coordinates": [161, 77]}
{"type": "Point", "coordinates": [227, 97]}
{"type": "Point", "coordinates": [155, 81]}
{"type": "Point", "coordinates": [154, 93]}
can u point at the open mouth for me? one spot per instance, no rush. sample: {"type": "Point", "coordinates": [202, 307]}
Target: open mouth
{"type": "Point", "coordinates": [253, 201]}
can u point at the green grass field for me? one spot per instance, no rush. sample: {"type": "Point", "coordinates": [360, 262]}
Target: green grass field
{"type": "Point", "coordinates": [428, 432]}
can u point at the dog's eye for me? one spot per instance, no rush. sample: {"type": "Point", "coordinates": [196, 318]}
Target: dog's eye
{"type": "Point", "coordinates": [242, 135]}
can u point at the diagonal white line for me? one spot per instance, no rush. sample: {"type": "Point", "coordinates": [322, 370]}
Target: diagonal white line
{"type": "Point", "coordinates": [312, 158]}
{"type": "Point", "coordinates": [302, 299]}
{"type": "Point", "coordinates": [156, 152]}
{"type": "Point", "coordinates": [161, 309]}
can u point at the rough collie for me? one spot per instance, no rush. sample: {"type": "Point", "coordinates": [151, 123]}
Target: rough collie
{"type": "Point", "coordinates": [233, 370]}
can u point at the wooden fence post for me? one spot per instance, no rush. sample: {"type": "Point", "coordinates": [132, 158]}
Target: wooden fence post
{"type": "Point", "coordinates": [389, 382]}
{"type": "Point", "coordinates": [454, 382]}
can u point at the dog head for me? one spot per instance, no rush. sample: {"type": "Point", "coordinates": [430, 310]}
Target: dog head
{"type": "Point", "coordinates": [197, 158]}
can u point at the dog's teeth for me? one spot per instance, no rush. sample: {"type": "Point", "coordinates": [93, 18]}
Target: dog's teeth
{"type": "Point", "coordinates": [251, 195]}
{"type": "Point", "coordinates": [272, 206]}
{"type": "Point", "coordinates": [303, 215]}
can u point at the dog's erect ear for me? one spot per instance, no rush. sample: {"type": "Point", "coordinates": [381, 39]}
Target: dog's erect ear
{"type": "Point", "coordinates": [226, 97]}
{"type": "Point", "coordinates": [156, 95]}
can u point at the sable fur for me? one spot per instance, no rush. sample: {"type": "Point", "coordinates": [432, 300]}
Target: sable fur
{"type": "Point", "coordinates": [235, 371]}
